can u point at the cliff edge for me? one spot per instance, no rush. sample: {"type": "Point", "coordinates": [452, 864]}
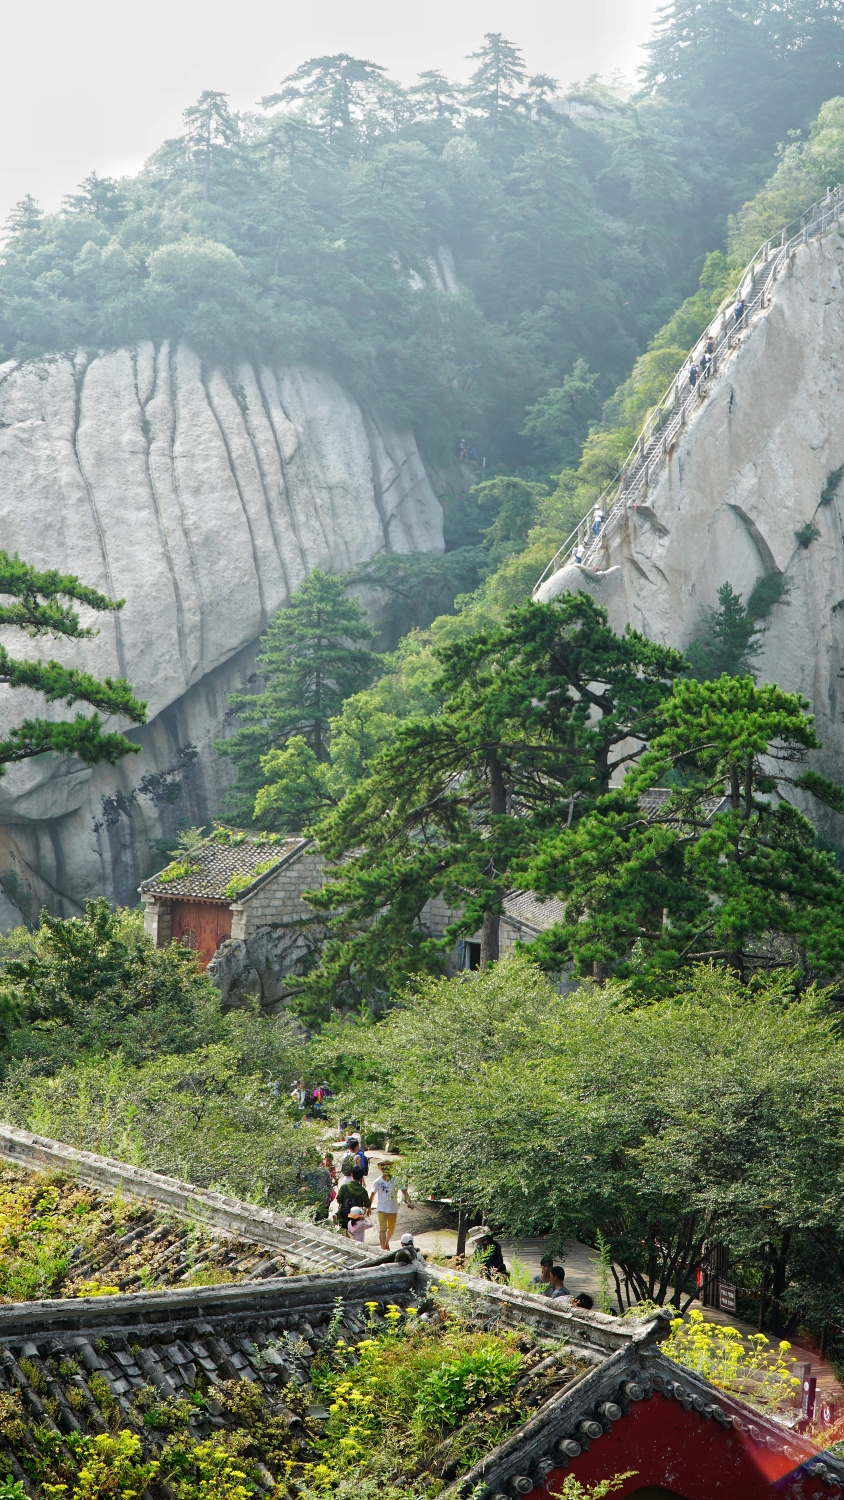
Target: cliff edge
{"type": "Point", "coordinates": [745, 477]}
{"type": "Point", "coordinates": [203, 498]}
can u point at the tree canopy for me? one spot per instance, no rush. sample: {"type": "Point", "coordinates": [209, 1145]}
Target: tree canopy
{"type": "Point", "coordinates": [659, 1127]}
{"type": "Point", "coordinates": [410, 237]}
{"type": "Point", "coordinates": [312, 658]}
{"type": "Point", "coordinates": [453, 805]}
{"type": "Point", "coordinates": [719, 862]}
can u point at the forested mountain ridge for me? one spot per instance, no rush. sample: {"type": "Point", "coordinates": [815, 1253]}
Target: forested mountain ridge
{"type": "Point", "coordinates": [308, 230]}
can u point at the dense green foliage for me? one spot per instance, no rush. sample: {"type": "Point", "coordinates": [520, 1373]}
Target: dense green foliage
{"type": "Point", "coordinates": [312, 659]}
{"type": "Point", "coordinates": [42, 603]}
{"type": "Point", "coordinates": [118, 1047]}
{"type": "Point", "coordinates": [455, 804]}
{"type": "Point", "coordinates": [724, 866]}
{"type": "Point", "coordinates": [329, 225]}
{"type": "Point", "coordinates": [695, 1118]}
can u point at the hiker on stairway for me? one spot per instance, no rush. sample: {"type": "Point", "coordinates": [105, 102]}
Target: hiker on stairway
{"type": "Point", "coordinates": [740, 309]}
{"type": "Point", "coordinates": [693, 374]}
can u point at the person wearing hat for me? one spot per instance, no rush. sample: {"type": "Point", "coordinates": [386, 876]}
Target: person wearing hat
{"type": "Point", "coordinates": [407, 1252]}
{"type": "Point", "coordinates": [486, 1253]}
{"type": "Point", "coordinates": [358, 1223]}
{"type": "Point", "coordinates": [385, 1199]}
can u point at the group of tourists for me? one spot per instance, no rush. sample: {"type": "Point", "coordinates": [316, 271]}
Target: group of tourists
{"type": "Point", "coordinates": [309, 1102]}
{"type": "Point", "coordinates": [357, 1201]}
{"type": "Point", "coordinates": [700, 368]}
{"type": "Point", "coordinates": [551, 1282]}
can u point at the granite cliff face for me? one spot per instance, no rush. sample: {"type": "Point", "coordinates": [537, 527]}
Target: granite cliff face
{"type": "Point", "coordinates": [203, 498]}
{"type": "Point", "coordinates": [747, 475]}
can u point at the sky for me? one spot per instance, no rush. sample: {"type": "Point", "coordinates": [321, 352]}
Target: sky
{"type": "Point", "coordinates": [99, 84]}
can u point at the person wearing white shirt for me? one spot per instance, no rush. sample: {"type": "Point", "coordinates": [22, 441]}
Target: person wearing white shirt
{"type": "Point", "coordinates": [385, 1198]}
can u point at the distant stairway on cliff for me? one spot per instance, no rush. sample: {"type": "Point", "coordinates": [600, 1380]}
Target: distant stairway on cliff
{"type": "Point", "coordinates": [664, 426]}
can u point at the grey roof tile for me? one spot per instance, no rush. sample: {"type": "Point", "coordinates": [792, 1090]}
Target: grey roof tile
{"type": "Point", "coordinates": [214, 864]}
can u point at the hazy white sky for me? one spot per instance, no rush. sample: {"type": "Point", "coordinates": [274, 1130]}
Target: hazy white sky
{"type": "Point", "coordinates": [98, 84]}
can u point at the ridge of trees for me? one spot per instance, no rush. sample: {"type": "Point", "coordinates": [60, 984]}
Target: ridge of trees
{"type": "Point", "coordinates": [315, 226]}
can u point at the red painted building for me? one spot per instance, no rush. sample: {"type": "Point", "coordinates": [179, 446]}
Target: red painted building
{"type": "Point", "coordinates": [636, 1410]}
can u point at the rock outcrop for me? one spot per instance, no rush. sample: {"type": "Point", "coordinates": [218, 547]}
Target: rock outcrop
{"type": "Point", "coordinates": [745, 478]}
{"type": "Point", "coordinates": [202, 497]}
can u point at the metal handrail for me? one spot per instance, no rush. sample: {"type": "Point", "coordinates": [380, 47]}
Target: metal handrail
{"type": "Point", "coordinates": [666, 420]}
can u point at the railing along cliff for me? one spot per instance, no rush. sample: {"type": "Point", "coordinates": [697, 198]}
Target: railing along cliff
{"type": "Point", "coordinates": [667, 419]}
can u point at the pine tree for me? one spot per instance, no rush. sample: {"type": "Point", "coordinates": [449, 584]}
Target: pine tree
{"type": "Point", "coordinates": [100, 197]}
{"type": "Point", "coordinates": [339, 89]}
{"type": "Point", "coordinates": [711, 870]}
{"type": "Point", "coordinates": [495, 84]}
{"type": "Point", "coordinates": [537, 716]}
{"type": "Point", "coordinates": [726, 644]}
{"type": "Point", "coordinates": [213, 132]}
{"type": "Point", "coordinates": [42, 605]}
{"type": "Point", "coordinates": [313, 657]}
{"type": "Point", "coordinates": [26, 214]}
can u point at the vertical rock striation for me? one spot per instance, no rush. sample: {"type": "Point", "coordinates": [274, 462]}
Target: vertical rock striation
{"type": "Point", "coordinates": [203, 497]}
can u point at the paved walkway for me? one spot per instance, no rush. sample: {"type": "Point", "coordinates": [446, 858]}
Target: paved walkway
{"type": "Point", "coordinates": [431, 1225]}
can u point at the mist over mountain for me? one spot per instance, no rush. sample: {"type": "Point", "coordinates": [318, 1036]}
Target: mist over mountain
{"type": "Point", "coordinates": [450, 253]}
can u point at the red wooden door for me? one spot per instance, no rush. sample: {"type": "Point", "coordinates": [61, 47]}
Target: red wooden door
{"type": "Point", "coordinates": [202, 926]}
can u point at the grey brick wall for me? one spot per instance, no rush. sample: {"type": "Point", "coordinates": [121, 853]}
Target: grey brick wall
{"type": "Point", "coordinates": [280, 898]}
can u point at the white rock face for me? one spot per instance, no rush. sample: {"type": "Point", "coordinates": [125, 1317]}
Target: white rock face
{"type": "Point", "coordinates": [203, 498]}
{"type": "Point", "coordinates": [747, 474]}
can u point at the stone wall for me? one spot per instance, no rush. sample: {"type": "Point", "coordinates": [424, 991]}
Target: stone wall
{"type": "Point", "coordinates": [280, 898]}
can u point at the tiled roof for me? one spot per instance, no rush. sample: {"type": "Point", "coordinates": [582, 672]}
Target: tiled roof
{"type": "Point", "coordinates": [239, 1357]}
{"type": "Point", "coordinates": [525, 909]}
{"type": "Point", "coordinates": [654, 802]}
{"type": "Point", "coordinates": [214, 864]}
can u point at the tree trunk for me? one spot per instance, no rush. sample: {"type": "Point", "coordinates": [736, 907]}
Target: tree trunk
{"type": "Point", "coordinates": [491, 930]}
{"type": "Point", "coordinates": [462, 1226]}
{"type": "Point", "coordinates": [735, 788]}
{"type": "Point", "coordinates": [748, 788]}
{"type": "Point", "coordinates": [490, 936]}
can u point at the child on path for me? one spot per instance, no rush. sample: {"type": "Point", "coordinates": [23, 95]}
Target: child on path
{"type": "Point", "coordinates": [359, 1222]}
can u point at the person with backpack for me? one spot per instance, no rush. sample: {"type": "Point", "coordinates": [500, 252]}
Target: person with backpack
{"type": "Point", "coordinates": [355, 1157]}
{"type": "Point", "coordinates": [352, 1194]}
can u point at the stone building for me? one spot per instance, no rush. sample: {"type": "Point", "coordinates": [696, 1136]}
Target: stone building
{"type": "Point", "coordinates": [229, 888]}
{"type": "Point", "coordinates": [238, 900]}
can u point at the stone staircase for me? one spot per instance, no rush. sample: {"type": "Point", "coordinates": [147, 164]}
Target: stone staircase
{"type": "Point", "coordinates": [667, 420]}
